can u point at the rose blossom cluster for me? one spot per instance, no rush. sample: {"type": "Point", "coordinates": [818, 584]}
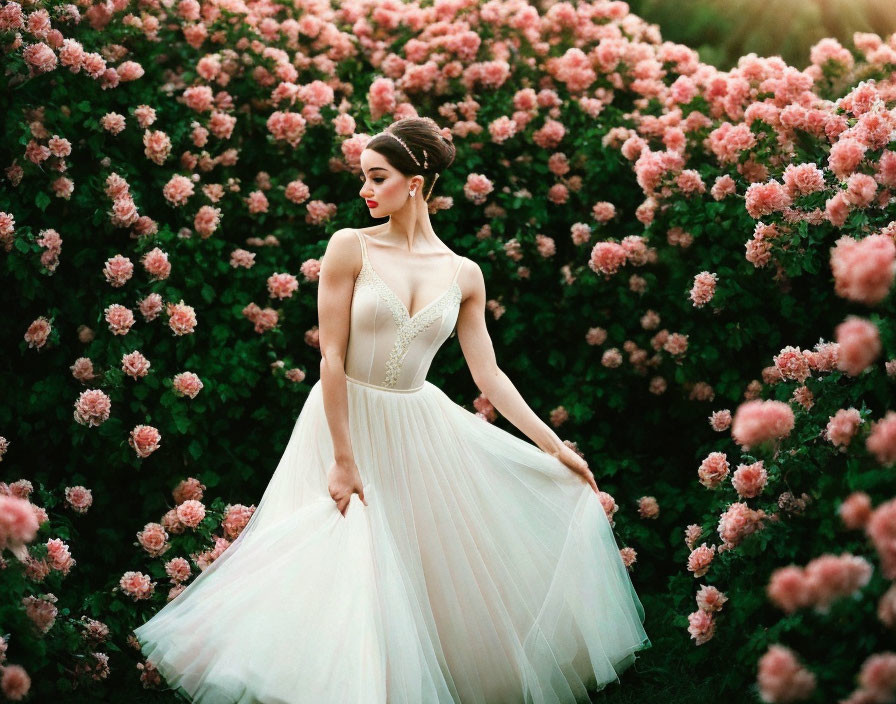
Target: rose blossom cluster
{"type": "Point", "coordinates": [822, 581]}
{"type": "Point", "coordinates": [701, 623]}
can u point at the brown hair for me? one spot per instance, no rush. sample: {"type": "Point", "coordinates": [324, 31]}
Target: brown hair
{"type": "Point", "coordinates": [421, 148]}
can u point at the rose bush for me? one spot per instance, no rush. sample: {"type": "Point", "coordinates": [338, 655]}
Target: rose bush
{"type": "Point", "coordinates": [662, 242]}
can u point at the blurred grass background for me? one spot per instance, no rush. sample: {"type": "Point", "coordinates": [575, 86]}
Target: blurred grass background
{"type": "Point", "coordinates": [724, 30]}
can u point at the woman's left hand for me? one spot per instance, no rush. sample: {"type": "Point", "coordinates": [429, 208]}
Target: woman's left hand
{"type": "Point", "coordinates": [571, 459]}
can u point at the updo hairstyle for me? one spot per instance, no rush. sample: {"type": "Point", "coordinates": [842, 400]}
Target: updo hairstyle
{"type": "Point", "coordinates": [415, 145]}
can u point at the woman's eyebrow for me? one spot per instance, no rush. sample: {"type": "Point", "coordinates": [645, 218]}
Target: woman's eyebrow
{"type": "Point", "coordinates": [376, 168]}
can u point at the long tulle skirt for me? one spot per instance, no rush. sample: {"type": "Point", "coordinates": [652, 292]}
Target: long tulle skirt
{"type": "Point", "coordinates": [482, 571]}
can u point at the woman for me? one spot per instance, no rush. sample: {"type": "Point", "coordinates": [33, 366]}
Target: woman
{"type": "Point", "coordinates": [405, 550]}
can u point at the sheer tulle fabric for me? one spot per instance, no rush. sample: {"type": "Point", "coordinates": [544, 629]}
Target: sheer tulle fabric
{"type": "Point", "coordinates": [482, 571]}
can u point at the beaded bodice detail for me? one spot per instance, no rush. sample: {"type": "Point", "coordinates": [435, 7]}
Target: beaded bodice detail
{"type": "Point", "coordinates": [387, 345]}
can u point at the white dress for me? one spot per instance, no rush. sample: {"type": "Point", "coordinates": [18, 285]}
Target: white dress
{"type": "Point", "coordinates": [482, 570]}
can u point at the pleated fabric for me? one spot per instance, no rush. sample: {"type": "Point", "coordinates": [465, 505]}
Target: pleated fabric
{"type": "Point", "coordinates": [482, 571]}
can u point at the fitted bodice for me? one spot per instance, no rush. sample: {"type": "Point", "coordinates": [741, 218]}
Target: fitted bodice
{"type": "Point", "coordinates": [387, 346]}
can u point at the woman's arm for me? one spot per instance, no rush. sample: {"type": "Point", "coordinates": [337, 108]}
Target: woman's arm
{"type": "Point", "coordinates": [494, 383]}
{"type": "Point", "coordinates": [334, 302]}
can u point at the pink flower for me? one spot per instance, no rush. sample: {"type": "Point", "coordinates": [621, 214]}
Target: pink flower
{"type": "Point", "coordinates": [135, 365]}
{"type": "Point", "coordinates": [648, 507]}
{"type": "Point", "coordinates": [120, 319]}
{"type": "Point", "coordinates": [603, 211]}
{"type": "Point", "coordinates": [713, 470]}
{"type": "Point", "coordinates": [282, 285]}
{"type": "Point", "coordinates": [689, 182]}
{"type": "Point", "coordinates": [178, 190]}
{"type": "Point", "coordinates": [792, 364]}
{"type": "Point", "coordinates": [21, 489]}
{"type": "Point", "coordinates": [190, 488]}
{"type": "Point", "coordinates": [172, 524]}
{"type": "Point", "coordinates": [607, 257]}
{"type": "Point", "coordinates": [596, 336]}
{"type": "Point", "coordinates": [758, 421]}
{"type": "Point", "coordinates": [297, 192]}
{"type": "Point", "coordinates": [608, 503]}
{"type": "Point", "coordinates": [855, 510]}
{"type": "Point", "coordinates": [112, 122]}
{"type": "Point", "coordinates": [846, 154]}
{"type": "Point", "coordinates": [144, 439]}
{"type": "Point", "coordinates": [181, 318]}
{"type": "Point", "coordinates": [781, 678]}
{"type": "Point", "coordinates": [830, 577]}
{"type": "Point", "coordinates": [859, 344]}
{"type": "Point", "coordinates": [545, 245]}
{"type": "Point", "coordinates": [156, 264]}
{"type": "Point", "coordinates": [118, 270]}
{"type": "Point", "coordinates": [92, 408]}
{"type": "Point", "coordinates": [704, 288]}
{"type": "Point", "coordinates": [178, 569]}
{"type": "Point", "coordinates": [728, 141]}
{"type": "Point", "coordinates": [709, 598]}
{"type": "Point", "coordinates": [700, 560]}
{"type": "Point", "coordinates": [749, 479]}
{"type": "Point", "coordinates": [287, 126]}
{"type": "Point", "coordinates": [207, 220]}
{"type": "Point", "coordinates": [257, 202]}
{"type": "Point", "coordinates": [636, 251]}
{"type": "Point", "coordinates": [886, 607]}
{"type": "Point", "coordinates": [881, 528]}
{"type": "Point", "coordinates": [15, 682]}
{"type": "Point", "coordinates": [39, 57]}
{"type": "Point", "coordinates": [881, 441]}
{"type": "Point", "coordinates": [788, 588]}
{"type": "Point", "coordinates": [720, 420]}
{"type": "Point", "coordinates": [186, 384]}
{"type": "Point", "coordinates": [153, 539]}
{"type": "Point", "coordinates": [737, 522]}
{"type": "Point", "coordinates": [79, 498]}
{"type": "Point", "coordinates": [151, 306]}
{"type": "Point", "coordinates": [676, 344]}
{"type": "Point", "coordinates": [878, 676]}
{"type": "Point", "coordinates": [157, 146]}
{"type": "Point", "coordinates": [18, 522]}
{"type": "Point", "coordinates": [191, 512]}
{"type": "Point", "coordinates": [199, 98]}
{"type": "Point", "coordinates": [701, 626]}
{"type": "Point", "coordinates": [558, 416]}
{"type": "Point", "coordinates": [863, 269]}
{"type": "Point", "coordinates": [95, 632]}
{"type": "Point", "coordinates": [235, 519]}
{"type": "Point", "coordinates": [836, 209]}
{"type": "Point", "coordinates": [41, 611]}
{"type": "Point", "coordinates": [860, 190]}
{"type": "Point", "coordinates": [477, 188]}
{"type": "Point", "coordinates": [723, 186]}
{"type": "Point", "coordinates": [766, 198]}
{"type": "Point", "coordinates": [145, 116]}
{"type": "Point", "coordinates": [136, 585]}
{"type": "Point", "coordinates": [842, 426]}
{"type": "Point", "coordinates": [611, 358]}
{"type": "Point", "coordinates": [803, 179]}
{"type": "Point", "coordinates": [58, 556]}
{"type": "Point", "coordinates": [38, 332]}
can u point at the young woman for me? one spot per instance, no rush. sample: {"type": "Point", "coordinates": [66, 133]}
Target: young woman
{"type": "Point", "coordinates": [406, 550]}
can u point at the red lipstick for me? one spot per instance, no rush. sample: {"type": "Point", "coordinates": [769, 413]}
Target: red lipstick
{"type": "Point", "coordinates": [372, 203]}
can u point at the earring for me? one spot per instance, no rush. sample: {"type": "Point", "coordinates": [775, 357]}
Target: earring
{"type": "Point", "coordinates": [412, 193]}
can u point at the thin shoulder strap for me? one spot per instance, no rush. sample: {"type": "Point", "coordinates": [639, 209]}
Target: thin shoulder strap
{"type": "Point", "coordinates": [457, 271]}
{"type": "Point", "coordinates": [363, 243]}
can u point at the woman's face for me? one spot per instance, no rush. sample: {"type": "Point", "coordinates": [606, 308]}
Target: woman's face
{"type": "Point", "coordinates": [383, 187]}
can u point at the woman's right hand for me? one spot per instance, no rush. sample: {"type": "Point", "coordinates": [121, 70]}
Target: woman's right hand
{"type": "Point", "coordinates": [343, 480]}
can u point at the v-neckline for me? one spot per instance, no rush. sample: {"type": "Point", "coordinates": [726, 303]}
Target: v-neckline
{"type": "Point", "coordinates": [404, 308]}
